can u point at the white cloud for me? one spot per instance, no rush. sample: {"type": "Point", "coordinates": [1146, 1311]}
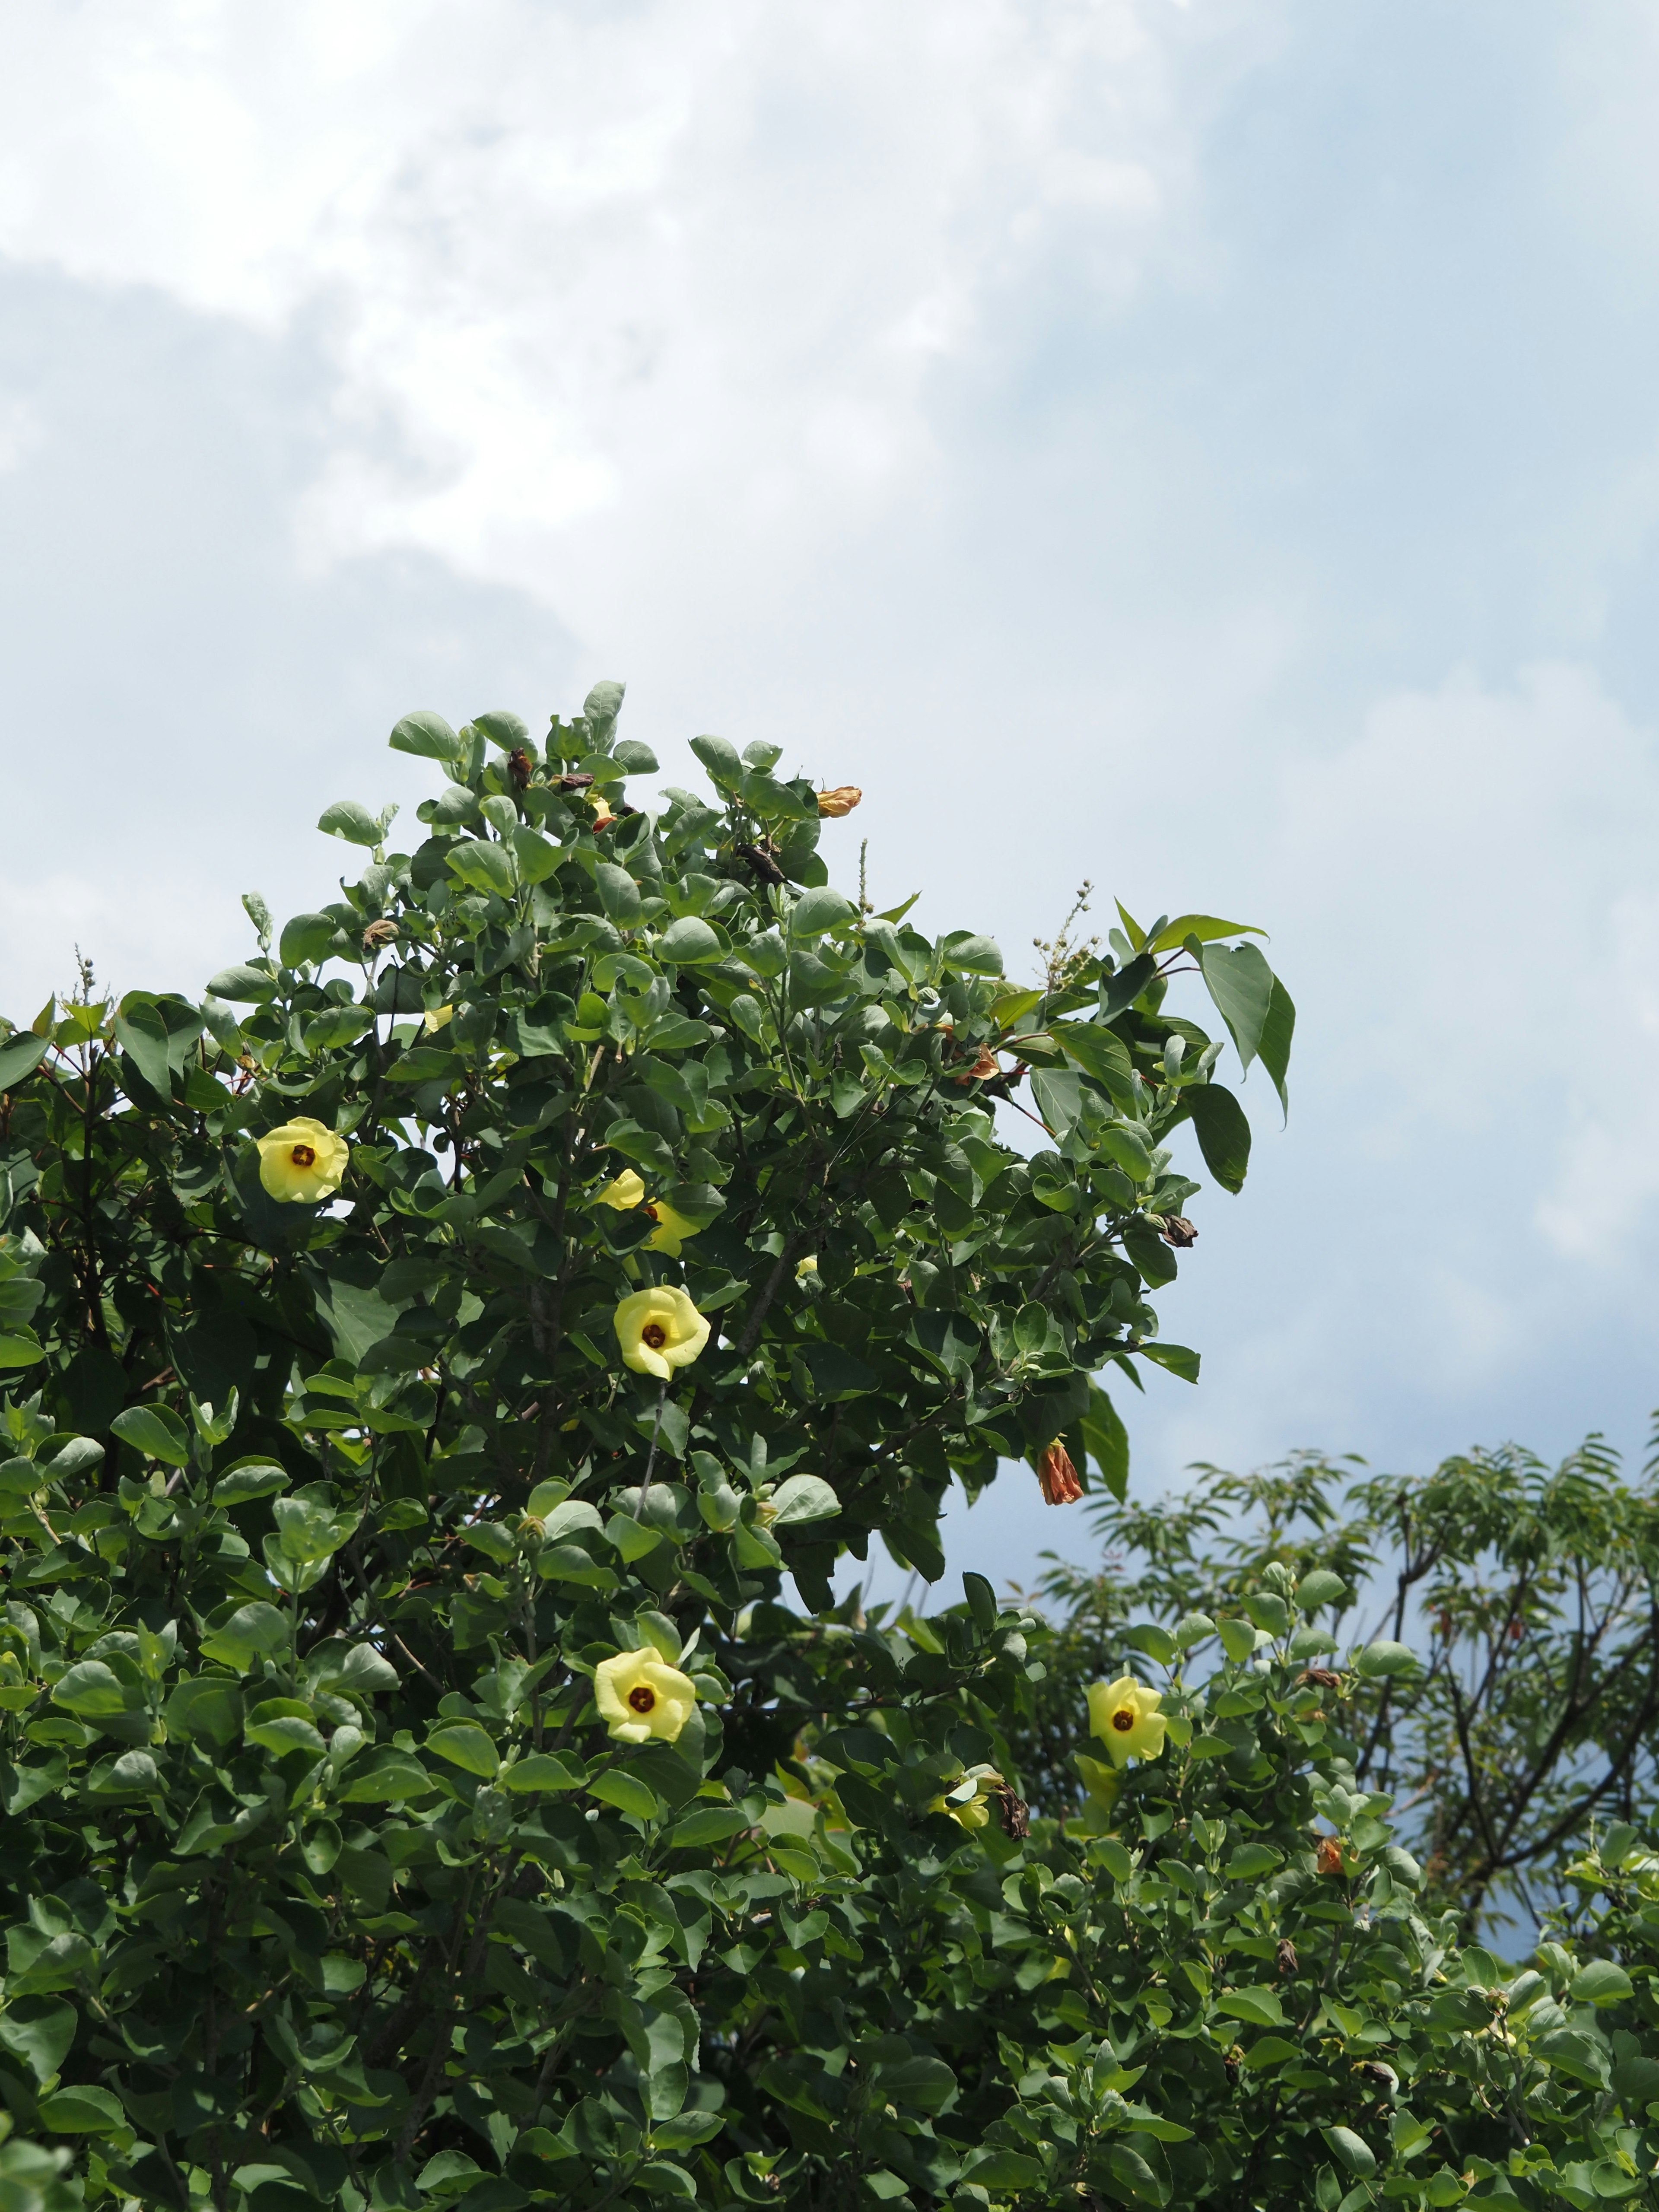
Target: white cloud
{"type": "Point", "coordinates": [647, 288]}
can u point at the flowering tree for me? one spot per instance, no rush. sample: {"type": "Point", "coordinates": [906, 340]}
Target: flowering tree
{"type": "Point", "coordinates": [436, 1354]}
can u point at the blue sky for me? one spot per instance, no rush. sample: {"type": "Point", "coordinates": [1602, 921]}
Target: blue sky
{"type": "Point", "coordinates": [1210, 448]}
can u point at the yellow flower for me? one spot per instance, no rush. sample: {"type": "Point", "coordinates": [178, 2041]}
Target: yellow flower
{"type": "Point", "coordinates": [839, 801]}
{"type": "Point", "coordinates": [624, 1193]}
{"type": "Point", "coordinates": [639, 1695]}
{"type": "Point", "coordinates": [807, 1266]}
{"type": "Point", "coordinates": [967, 1801]}
{"type": "Point", "coordinates": [669, 1228]}
{"type": "Point", "coordinates": [603, 817]}
{"type": "Point", "coordinates": [435, 1017]}
{"type": "Point", "coordinates": [1125, 1715]}
{"type": "Point", "coordinates": [660, 1330]}
{"type": "Point", "coordinates": [302, 1162]}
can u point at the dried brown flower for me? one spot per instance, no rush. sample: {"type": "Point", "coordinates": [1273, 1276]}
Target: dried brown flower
{"type": "Point", "coordinates": [1014, 1813]}
{"type": "Point", "coordinates": [1328, 1858]}
{"type": "Point", "coordinates": [1285, 1955]}
{"type": "Point", "coordinates": [1177, 1231]}
{"type": "Point", "coordinates": [1058, 1477]}
{"type": "Point", "coordinates": [379, 932]}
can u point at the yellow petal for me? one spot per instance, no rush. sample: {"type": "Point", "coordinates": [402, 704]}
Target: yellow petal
{"type": "Point", "coordinates": [658, 1330]}
{"type": "Point", "coordinates": [302, 1163]}
{"type": "Point", "coordinates": [627, 1191]}
{"type": "Point", "coordinates": [639, 1695]}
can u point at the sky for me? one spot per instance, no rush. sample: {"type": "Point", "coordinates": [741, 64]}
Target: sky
{"type": "Point", "coordinates": [1209, 449]}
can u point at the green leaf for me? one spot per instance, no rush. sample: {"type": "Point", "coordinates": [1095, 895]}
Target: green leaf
{"type": "Point", "coordinates": [1250, 1862]}
{"type": "Point", "coordinates": [251, 1630]}
{"type": "Point", "coordinates": [482, 865]}
{"type": "Point", "coordinates": [971, 955]}
{"type": "Point", "coordinates": [1321, 1587]}
{"type": "Point", "coordinates": [1101, 1052]}
{"type": "Point", "coordinates": [40, 2031]}
{"type": "Point", "coordinates": [1175, 1359]}
{"type": "Point", "coordinates": [1223, 1132]}
{"type": "Point", "coordinates": [1240, 982]}
{"type": "Point", "coordinates": [155, 1431]}
{"type": "Point", "coordinates": [721, 759]}
{"type": "Point", "coordinates": [282, 1725]}
{"type": "Point", "coordinates": [628, 1794]}
{"type": "Point", "coordinates": [1107, 1442]}
{"type": "Point", "coordinates": [1203, 926]}
{"type": "Point", "coordinates": [426, 734]}
{"type": "Point", "coordinates": [502, 727]}
{"type": "Point", "coordinates": [817, 911]}
{"type": "Point", "coordinates": [20, 1349]}
{"type": "Point", "coordinates": [537, 856]}
{"type": "Point", "coordinates": [1002, 2170]}
{"type": "Point", "coordinates": [347, 820]}
{"type": "Point", "coordinates": [1237, 1640]}
{"type": "Point", "coordinates": [1157, 1642]}
{"type": "Point", "coordinates": [90, 1690]}
{"type": "Point", "coordinates": [1355, 2152]}
{"type": "Point", "coordinates": [635, 758]}
{"type": "Point", "coordinates": [81, 2111]}
{"type": "Point", "coordinates": [1275, 1045]}
{"type": "Point", "coordinates": [307, 936]}
{"type": "Point", "coordinates": [465, 1745]}
{"type": "Point", "coordinates": [709, 1824]}
{"type": "Point", "coordinates": [141, 1031]}
{"type": "Point", "coordinates": [619, 895]}
{"type": "Point", "coordinates": [243, 986]}
{"type": "Point", "coordinates": [803, 1497]}
{"type": "Point", "coordinates": [1260, 2007]}
{"type": "Point", "coordinates": [249, 1479]}
{"type": "Point", "coordinates": [541, 1769]}
{"type": "Point", "coordinates": [689, 943]}
{"type": "Point", "coordinates": [1600, 1983]}
{"type": "Point", "coordinates": [19, 1056]}
{"type": "Point", "coordinates": [387, 1779]}
{"type": "Point", "coordinates": [1385, 1657]}
{"type": "Point", "coordinates": [208, 1706]}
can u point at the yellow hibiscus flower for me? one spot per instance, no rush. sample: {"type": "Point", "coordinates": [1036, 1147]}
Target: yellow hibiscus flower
{"type": "Point", "coordinates": [639, 1695]}
{"type": "Point", "coordinates": [669, 1228]}
{"type": "Point", "coordinates": [1125, 1715]}
{"type": "Point", "coordinates": [967, 1801]}
{"type": "Point", "coordinates": [660, 1330]}
{"type": "Point", "coordinates": [624, 1193]}
{"type": "Point", "coordinates": [302, 1162]}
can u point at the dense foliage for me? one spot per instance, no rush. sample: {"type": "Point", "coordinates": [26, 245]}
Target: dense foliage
{"type": "Point", "coordinates": [442, 1359]}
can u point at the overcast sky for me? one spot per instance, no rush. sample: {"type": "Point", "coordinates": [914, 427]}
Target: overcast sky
{"type": "Point", "coordinates": [1212, 448]}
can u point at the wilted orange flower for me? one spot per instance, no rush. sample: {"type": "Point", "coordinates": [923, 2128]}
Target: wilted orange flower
{"type": "Point", "coordinates": [1058, 1476]}
{"type": "Point", "coordinates": [1328, 1857]}
{"type": "Point", "coordinates": [841, 800]}
{"type": "Point", "coordinates": [986, 1064]}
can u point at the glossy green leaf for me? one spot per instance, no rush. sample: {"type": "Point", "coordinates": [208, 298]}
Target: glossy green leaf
{"type": "Point", "coordinates": [1223, 1133]}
